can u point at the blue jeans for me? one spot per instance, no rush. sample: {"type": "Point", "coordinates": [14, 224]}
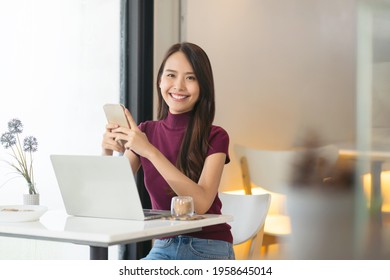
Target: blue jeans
{"type": "Point", "coordinates": [190, 248]}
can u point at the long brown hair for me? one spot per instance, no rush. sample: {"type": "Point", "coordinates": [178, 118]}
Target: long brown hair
{"type": "Point", "coordinates": [194, 147]}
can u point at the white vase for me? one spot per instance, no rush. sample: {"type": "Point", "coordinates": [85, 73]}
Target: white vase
{"type": "Point", "coordinates": [31, 199]}
{"type": "Point", "coordinates": [322, 224]}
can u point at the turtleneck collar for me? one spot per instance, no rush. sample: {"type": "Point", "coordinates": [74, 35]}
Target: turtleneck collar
{"type": "Point", "coordinates": [178, 120]}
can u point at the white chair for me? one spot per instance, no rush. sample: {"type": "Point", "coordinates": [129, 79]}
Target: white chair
{"type": "Point", "coordinates": [249, 212]}
{"type": "Point", "coordinates": [272, 170]}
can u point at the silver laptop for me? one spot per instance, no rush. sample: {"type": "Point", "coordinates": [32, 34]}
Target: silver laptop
{"type": "Point", "coordinates": [101, 187]}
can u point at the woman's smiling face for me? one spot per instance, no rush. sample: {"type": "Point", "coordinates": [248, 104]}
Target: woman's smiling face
{"type": "Point", "coordinates": [179, 85]}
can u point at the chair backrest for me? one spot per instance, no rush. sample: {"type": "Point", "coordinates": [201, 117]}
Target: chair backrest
{"type": "Point", "coordinates": [248, 211]}
{"type": "Point", "coordinates": [272, 170]}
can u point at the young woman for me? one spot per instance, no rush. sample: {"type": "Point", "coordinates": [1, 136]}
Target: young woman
{"type": "Point", "coordinates": [181, 153]}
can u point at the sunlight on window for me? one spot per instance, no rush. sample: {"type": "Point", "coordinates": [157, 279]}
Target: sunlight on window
{"type": "Point", "coordinates": [60, 63]}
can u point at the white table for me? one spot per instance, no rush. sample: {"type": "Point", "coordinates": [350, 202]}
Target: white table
{"type": "Point", "coordinates": [99, 234]}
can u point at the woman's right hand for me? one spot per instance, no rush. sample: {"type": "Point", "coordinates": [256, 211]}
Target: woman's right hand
{"type": "Point", "coordinates": [109, 145]}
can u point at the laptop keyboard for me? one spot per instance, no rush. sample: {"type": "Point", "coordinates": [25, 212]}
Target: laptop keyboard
{"type": "Point", "coordinates": [155, 214]}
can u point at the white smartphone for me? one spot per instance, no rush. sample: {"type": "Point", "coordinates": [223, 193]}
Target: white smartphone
{"type": "Point", "coordinates": [115, 113]}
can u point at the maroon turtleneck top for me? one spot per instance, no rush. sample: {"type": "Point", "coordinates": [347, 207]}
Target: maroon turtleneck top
{"type": "Point", "coordinates": [166, 135]}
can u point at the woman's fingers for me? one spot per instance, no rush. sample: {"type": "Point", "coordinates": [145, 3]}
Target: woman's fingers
{"type": "Point", "coordinates": [133, 124]}
{"type": "Point", "coordinates": [124, 133]}
{"type": "Point", "coordinates": [111, 140]}
{"type": "Point", "coordinates": [116, 148]}
{"type": "Point", "coordinates": [110, 143]}
{"type": "Point", "coordinates": [111, 126]}
{"type": "Point", "coordinates": [130, 138]}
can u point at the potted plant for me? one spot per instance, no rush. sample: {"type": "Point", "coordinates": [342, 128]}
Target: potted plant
{"type": "Point", "coordinates": [22, 157]}
{"type": "Point", "coordinates": [321, 205]}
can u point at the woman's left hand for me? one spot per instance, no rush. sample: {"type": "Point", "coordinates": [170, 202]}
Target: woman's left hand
{"type": "Point", "coordinates": [136, 139]}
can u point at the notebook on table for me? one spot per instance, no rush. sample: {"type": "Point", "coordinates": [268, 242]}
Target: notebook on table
{"type": "Point", "coordinates": [100, 187]}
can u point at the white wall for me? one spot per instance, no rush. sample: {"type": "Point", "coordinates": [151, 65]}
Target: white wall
{"type": "Point", "coordinates": [280, 68]}
{"type": "Point", "coordinates": [166, 33]}
{"type": "Point", "coordinates": [59, 65]}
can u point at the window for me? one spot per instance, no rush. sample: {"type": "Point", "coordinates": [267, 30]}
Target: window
{"type": "Point", "coordinates": [60, 63]}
